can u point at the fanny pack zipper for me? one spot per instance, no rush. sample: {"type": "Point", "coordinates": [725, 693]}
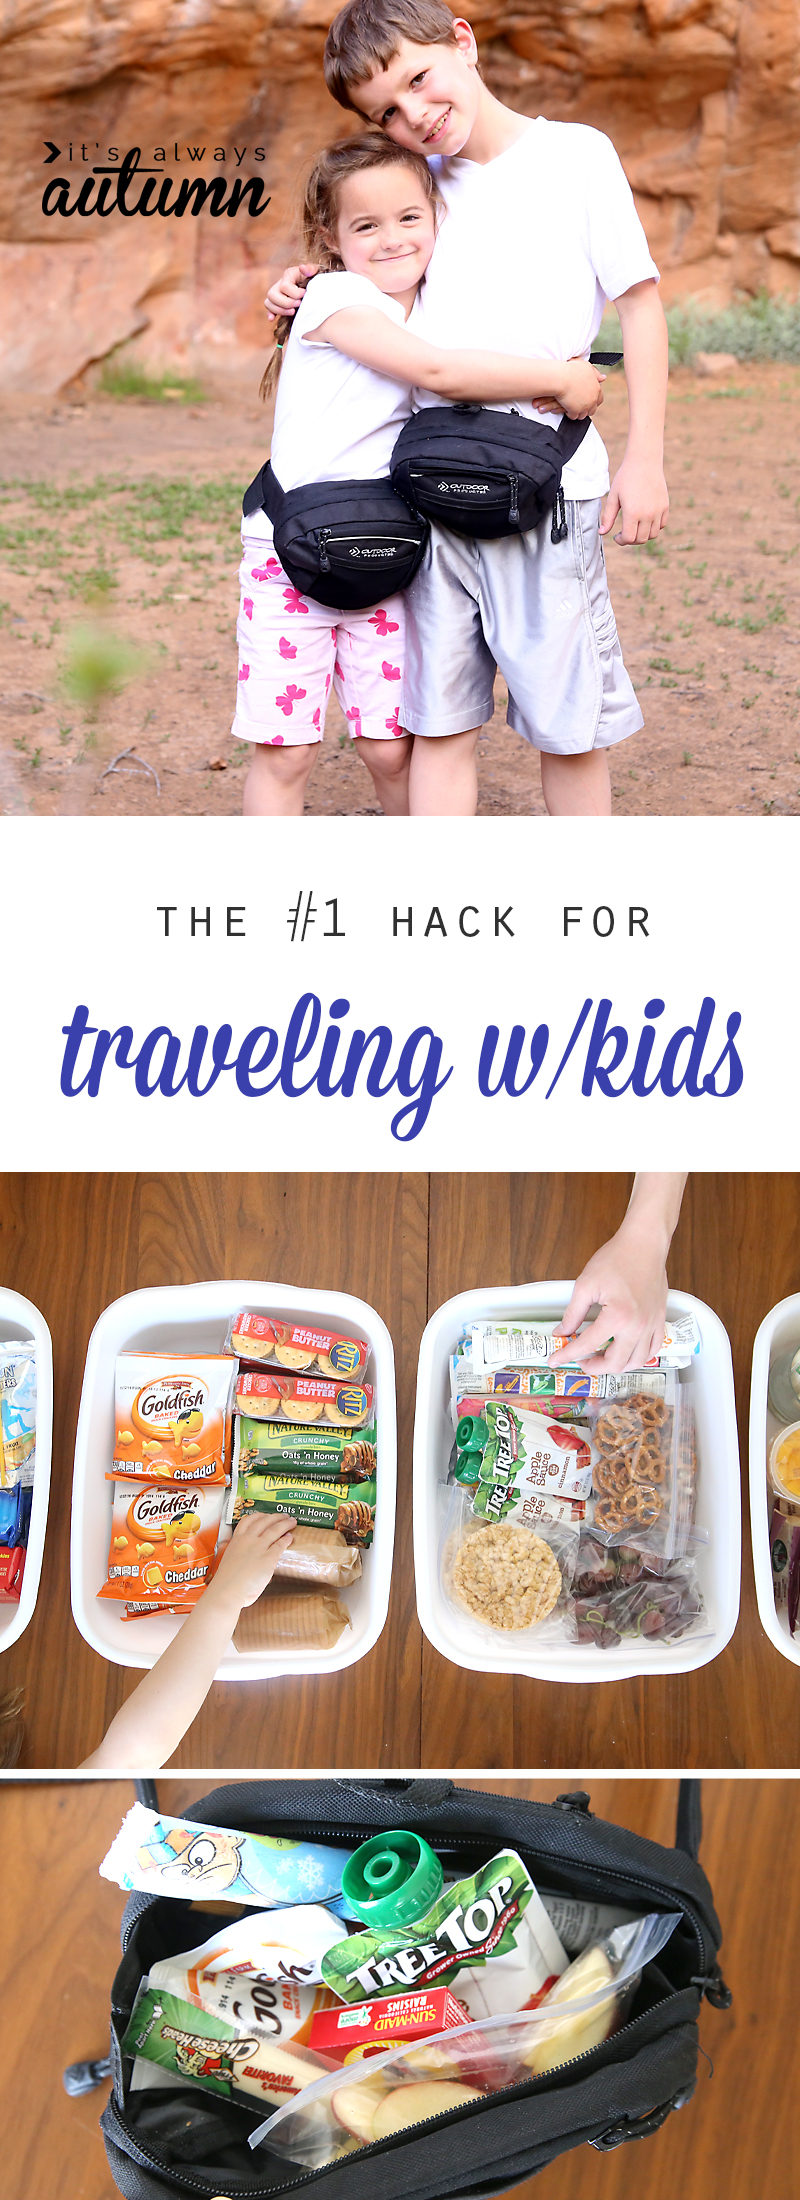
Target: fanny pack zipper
{"type": "Point", "coordinates": [329, 534]}
{"type": "Point", "coordinates": [307, 2176]}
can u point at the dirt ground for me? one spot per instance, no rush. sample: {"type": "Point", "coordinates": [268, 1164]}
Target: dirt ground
{"type": "Point", "coordinates": [121, 516]}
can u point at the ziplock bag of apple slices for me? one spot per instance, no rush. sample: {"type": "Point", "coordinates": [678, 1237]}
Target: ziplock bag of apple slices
{"type": "Point", "coordinates": [644, 1472]}
{"type": "Point", "coordinates": [385, 2095]}
{"type": "Point", "coordinates": [504, 1574]}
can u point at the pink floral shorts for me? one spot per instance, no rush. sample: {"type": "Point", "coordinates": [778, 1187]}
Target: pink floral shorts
{"type": "Point", "coordinates": [291, 650]}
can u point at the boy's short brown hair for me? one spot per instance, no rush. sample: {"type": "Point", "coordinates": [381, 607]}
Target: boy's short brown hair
{"type": "Point", "coordinates": [364, 37]}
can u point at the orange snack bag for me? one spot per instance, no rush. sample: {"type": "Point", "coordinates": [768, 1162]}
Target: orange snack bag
{"type": "Point", "coordinates": [163, 1542]}
{"type": "Point", "coordinates": [172, 1415]}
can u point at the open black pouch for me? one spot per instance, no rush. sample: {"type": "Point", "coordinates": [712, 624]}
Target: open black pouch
{"type": "Point", "coordinates": [183, 2141]}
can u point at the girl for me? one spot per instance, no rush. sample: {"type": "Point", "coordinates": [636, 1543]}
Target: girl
{"type": "Point", "coordinates": [348, 369]}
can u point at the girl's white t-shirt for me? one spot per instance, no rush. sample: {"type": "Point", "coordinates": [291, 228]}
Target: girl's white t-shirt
{"type": "Point", "coordinates": [533, 245]}
{"type": "Point", "coordinates": [334, 419]}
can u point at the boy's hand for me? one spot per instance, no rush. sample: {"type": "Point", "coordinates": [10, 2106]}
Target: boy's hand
{"type": "Point", "coordinates": [250, 1559]}
{"type": "Point", "coordinates": [638, 494]}
{"type": "Point", "coordinates": [289, 290]}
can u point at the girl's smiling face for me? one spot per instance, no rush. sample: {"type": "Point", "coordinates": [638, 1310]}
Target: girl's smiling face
{"type": "Point", "coordinates": [385, 229]}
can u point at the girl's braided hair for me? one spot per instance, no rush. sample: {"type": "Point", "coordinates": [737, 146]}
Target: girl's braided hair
{"type": "Point", "coordinates": [350, 157]}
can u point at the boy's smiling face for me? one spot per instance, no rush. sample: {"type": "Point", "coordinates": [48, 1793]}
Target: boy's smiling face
{"type": "Point", "coordinates": [427, 97]}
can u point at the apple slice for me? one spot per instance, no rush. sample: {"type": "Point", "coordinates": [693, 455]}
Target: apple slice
{"type": "Point", "coordinates": [354, 2106]}
{"type": "Point", "coordinates": [413, 2104]}
{"type": "Point", "coordinates": [575, 2035]}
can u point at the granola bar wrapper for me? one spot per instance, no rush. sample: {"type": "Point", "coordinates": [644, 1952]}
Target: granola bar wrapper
{"type": "Point", "coordinates": [321, 1558]}
{"type": "Point", "coordinates": [296, 1347]}
{"type": "Point", "coordinates": [279, 1448]}
{"type": "Point", "coordinates": [303, 1400]}
{"type": "Point", "coordinates": [557, 1390]}
{"type": "Point", "coordinates": [314, 1619]}
{"type": "Point", "coordinates": [163, 1542]}
{"type": "Point", "coordinates": [172, 1417]}
{"type": "Point", "coordinates": [349, 1508]}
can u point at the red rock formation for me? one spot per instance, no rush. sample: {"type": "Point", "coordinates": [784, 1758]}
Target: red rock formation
{"type": "Point", "coordinates": [701, 98]}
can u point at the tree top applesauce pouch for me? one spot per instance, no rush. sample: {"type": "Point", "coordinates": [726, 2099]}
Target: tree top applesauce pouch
{"type": "Point", "coordinates": [163, 1541]}
{"type": "Point", "coordinates": [172, 1414]}
{"type": "Point", "coordinates": [488, 1936]}
{"type": "Point", "coordinates": [296, 1346]}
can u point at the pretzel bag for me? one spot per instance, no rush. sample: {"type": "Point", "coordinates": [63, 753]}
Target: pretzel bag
{"type": "Point", "coordinates": [644, 1475]}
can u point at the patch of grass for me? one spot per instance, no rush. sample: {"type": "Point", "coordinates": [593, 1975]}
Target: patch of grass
{"type": "Point", "coordinates": [122, 378]}
{"type": "Point", "coordinates": [750, 328]}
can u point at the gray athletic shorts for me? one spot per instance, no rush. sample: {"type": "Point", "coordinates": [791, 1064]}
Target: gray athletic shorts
{"type": "Point", "coordinates": [537, 610]}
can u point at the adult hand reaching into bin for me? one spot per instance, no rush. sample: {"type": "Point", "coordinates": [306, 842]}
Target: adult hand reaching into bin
{"type": "Point", "coordinates": [627, 1280]}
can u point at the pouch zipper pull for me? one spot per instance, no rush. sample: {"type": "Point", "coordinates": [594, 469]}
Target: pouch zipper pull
{"type": "Point", "coordinates": [514, 509]}
{"type": "Point", "coordinates": [559, 530]}
{"type": "Point", "coordinates": [577, 1799]}
{"type": "Point", "coordinates": [324, 560]}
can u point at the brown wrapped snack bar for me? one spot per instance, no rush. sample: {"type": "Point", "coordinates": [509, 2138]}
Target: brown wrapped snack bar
{"type": "Point", "coordinates": [320, 1555]}
{"type": "Point", "coordinates": [315, 1620]}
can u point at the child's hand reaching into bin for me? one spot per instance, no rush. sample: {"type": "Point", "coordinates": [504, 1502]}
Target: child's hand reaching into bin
{"type": "Point", "coordinates": [150, 1725]}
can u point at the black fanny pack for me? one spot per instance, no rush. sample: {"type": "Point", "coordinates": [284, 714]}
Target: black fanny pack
{"type": "Point", "coordinates": [348, 544]}
{"type": "Point", "coordinates": [485, 473]}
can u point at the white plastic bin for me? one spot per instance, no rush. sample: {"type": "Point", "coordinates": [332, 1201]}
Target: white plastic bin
{"type": "Point", "coordinates": [779, 1332]}
{"type": "Point", "coordinates": [20, 1319]}
{"type": "Point", "coordinates": [195, 1317]}
{"type": "Point", "coordinates": [718, 1500]}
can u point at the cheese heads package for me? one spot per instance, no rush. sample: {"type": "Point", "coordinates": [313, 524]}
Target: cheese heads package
{"type": "Point", "coordinates": [163, 1542]}
{"type": "Point", "coordinates": [172, 1416]}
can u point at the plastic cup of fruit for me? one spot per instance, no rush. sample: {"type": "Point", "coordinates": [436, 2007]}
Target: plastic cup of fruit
{"type": "Point", "coordinates": [784, 1463]}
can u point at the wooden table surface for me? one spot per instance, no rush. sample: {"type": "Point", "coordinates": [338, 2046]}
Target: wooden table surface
{"type": "Point", "coordinates": [404, 1243]}
{"type": "Point", "coordinates": [60, 1945]}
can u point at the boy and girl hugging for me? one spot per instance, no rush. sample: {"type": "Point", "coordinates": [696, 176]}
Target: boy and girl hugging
{"type": "Point", "coordinates": [448, 225]}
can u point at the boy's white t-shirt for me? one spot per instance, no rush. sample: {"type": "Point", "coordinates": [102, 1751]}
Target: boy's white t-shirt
{"type": "Point", "coordinates": [533, 244]}
{"type": "Point", "coordinates": [334, 419]}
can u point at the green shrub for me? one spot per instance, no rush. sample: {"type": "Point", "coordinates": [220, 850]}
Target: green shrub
{"type": "Point", "coordinates": [750, 328]}
{"type": "Point", "coordinates": [98, 663]}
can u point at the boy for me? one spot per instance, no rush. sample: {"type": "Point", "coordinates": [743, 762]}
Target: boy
{"type": "Point", "coordinates": [540, 229]}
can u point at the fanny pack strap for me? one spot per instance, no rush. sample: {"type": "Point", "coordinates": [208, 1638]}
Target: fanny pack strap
{"type": "Point", "coordinates": [264, 495]}
{"type": "Point", "coordinates": [569, 436]}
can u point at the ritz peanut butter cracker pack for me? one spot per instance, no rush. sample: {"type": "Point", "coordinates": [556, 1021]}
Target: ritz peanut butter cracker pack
{"type": "Point", "coordinates": [172, 1415]}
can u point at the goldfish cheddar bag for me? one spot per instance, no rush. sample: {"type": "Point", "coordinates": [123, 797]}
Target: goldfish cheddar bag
{"type": "Point", "coordinates": [172, 1416]}
{"type": "Point", "coordinates": [162, 1542]}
